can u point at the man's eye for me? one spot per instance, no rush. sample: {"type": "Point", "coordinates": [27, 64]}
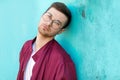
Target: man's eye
{"type": "Point", "coordinates": [57, 23]}
{"type": "Point", "coordinates": [48, 16]}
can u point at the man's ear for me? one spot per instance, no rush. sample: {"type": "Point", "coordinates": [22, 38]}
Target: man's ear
{"type": "Point", "coordinates": [62, 30]}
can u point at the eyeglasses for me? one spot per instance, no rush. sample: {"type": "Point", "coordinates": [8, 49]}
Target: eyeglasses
{"type": "Point", "coordinates": [47, 17]}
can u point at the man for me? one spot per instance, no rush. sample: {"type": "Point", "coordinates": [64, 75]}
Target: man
{"type": "Point", "coordinates": [43, 58]}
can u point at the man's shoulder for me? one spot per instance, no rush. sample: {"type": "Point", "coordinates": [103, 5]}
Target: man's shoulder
{"type": "Point", "coordinates": [60, 53]}
{"type": "Point", "coordinates": [28, 42]}
{"type": "Point", "coordinates": [57, 48]}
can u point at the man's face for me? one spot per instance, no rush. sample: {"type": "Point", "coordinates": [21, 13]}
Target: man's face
{"type": "Point", "coordinates": [51, 23]}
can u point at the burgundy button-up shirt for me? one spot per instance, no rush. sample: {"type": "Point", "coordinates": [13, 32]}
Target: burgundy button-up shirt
{"type": "Point", "coordinates": [51, 62]}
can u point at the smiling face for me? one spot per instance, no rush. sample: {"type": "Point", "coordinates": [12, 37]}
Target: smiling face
{"type": "Point", "coordinates": [51, 23]}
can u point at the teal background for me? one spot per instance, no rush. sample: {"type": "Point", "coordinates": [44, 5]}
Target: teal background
{"type": "Point", "coordinates": [92, 39]}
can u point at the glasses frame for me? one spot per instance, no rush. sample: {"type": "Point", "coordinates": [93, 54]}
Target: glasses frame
{"type": "Point", "coordinates": [49, 16]}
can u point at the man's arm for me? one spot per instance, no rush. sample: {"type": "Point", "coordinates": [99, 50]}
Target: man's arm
{"type": "Point", "coordinates": [66, 72]}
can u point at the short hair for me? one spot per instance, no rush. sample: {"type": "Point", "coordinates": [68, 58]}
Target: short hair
{"type": "Point", "coordinates": [63, 9]}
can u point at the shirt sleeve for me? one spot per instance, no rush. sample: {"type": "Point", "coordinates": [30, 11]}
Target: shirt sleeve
{"type": "Point", "coordinates": [66, 72]}
{"type": "Point", "coordinates": [22, 52]}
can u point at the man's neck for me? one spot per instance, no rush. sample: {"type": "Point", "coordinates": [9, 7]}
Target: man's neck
{"type": "Point", "coordinates": [41, 41]}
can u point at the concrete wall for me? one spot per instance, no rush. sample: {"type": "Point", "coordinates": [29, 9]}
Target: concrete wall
{"type": "Point", "coordinates": [92, 39]}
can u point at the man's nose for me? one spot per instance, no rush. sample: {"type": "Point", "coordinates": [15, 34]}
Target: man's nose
{"type": "Point", "coordinates": [49, 23]}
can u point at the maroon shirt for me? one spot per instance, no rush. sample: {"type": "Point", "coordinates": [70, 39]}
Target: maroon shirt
{"type": "Point", "coordinates": [51, 62]}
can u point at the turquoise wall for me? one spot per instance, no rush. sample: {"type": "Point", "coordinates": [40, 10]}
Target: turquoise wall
{"type": "Point", "coordinates": [92, 39]}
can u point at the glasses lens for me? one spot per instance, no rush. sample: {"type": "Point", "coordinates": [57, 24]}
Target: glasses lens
{"type": "Point", "coordinates": [55, 23]}
{"type": "Point", "coordinates": [46, 17]}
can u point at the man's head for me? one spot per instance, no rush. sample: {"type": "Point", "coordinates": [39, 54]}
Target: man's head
{"type": "Point", "coordinates": [63, 9]}
{"type": "Point", "coordinates": [54, 20]}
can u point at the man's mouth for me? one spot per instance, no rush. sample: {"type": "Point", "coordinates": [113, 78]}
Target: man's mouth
{"type": "Point", "coordinates": [45, 27]}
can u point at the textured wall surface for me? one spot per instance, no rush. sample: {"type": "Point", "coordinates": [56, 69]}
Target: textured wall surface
{"type": "Point", "coordinates": [92, 39]}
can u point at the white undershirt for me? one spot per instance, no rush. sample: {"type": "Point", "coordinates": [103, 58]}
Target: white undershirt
{"type": "Point", "coordinates": [30, 64]}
